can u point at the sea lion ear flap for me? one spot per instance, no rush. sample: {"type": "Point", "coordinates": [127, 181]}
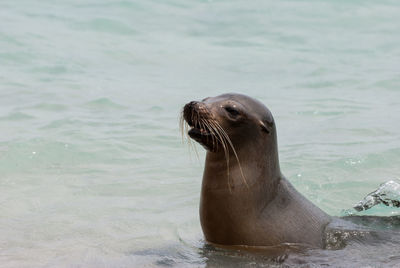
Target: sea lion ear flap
{"type": "Point", "coordinates": [266, 126]}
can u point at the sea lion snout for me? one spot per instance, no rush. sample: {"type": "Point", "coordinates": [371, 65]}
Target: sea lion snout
{"type": "Point", "coordinates": [195, 105]}
{"type": "Point", "coordinates": [198, 117]}
{"type": "Point", "coordinates": [188, 112]}
{"type": "Point", "coordinates": [193, 110]}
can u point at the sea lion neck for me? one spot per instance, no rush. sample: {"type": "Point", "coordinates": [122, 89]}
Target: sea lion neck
{"type": "Point", "coordinates": [247, 170]}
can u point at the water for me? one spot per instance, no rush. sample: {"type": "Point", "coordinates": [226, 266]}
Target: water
{"type": "Point", "coordinates": [387, 194]}
{"type": "Point", "coordinates": [93, 171]}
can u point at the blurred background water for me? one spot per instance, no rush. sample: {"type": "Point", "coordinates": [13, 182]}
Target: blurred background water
{"type": "Point", "coordinates": [93, 172]}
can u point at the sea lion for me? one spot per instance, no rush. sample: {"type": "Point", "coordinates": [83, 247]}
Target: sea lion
{"type": "Point", "coordinates": [245, 199]}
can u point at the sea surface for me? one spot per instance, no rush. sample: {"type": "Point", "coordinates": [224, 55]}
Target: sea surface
{"type": "Point", "coordinates": [93, 170]}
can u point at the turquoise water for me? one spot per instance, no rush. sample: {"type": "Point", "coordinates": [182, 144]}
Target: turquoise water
{"type": "Point", "coordinates": [93, 172]}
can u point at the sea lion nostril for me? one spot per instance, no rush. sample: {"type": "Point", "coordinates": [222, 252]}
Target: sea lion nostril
{"type": "Point", "coordinates": [192, 104]}
{"type": "Point", "coordinates": [188, 108]}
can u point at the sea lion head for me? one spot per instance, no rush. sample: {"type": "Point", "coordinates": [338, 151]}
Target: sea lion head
{"type": "Point", "coordinates": [228, 120]}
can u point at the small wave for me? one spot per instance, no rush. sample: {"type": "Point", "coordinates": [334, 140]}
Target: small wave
{"type": "Point", "coordinates": [51, 69]}
{"type": "Point", "coordinates": [53, 107]}
{"type": "Point", "coordinates": [156, 109]}
{"type": "Point", "coordinates": [62, 122]}
{"type": "Point", "coordinates": [47, 156]}
{"type": "Point", "coordinates": [103, 103]}
{"type": "Point", "coordinates": [106, 26]}
{"type": "Point", "coordinates": [322, 113]}
{"type": "Point", "coordinates": [17, 116]}
{"type": "Point", "coordinates": [16, 57]}
{"type": "Point", "coordinates": [10, 39]}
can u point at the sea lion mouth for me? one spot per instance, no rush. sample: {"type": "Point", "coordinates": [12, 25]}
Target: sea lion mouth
{"type": "Point", "coordinates": [197, 131]}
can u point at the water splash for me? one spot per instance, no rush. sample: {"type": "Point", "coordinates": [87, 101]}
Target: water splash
{"type": "Point", "coordinates": [387, 194]}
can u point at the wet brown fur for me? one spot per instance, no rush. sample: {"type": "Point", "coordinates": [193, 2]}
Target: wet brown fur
{"type": "Point", "coordinates": [247, 201]}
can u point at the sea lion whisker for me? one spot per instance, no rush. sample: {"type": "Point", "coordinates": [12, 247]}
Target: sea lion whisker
{"type": "Point", "coordinates": [213, 137]}
{"type": "Point", "coordinates": [214, 134]}
{"type": "Point", "coordinates": [234, 152]}
{"type": "Point", "coordinates": [181, 126]}
{"type": "Point", "coordinates": [226, 151]}
{"type": "Point", "coordinates": [184, 131]}
{"type": "Point", "coordinates": [208, 129]}
{"type": "Point", "coordinates": [201, 125]}
{"type": "Point", "coordinates": [195, 122]}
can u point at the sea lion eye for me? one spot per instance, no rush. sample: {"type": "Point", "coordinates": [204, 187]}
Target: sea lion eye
{"type": "Point", "coordinates": [232, 111]}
